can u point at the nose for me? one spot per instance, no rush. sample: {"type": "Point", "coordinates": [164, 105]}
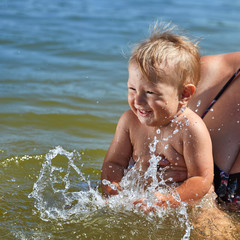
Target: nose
{"type": "Point", "coordinates": [140, 99]}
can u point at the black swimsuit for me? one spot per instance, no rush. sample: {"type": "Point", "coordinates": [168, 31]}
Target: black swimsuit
{"type": "Point", "coordinates": [220, 92]}
{"type": "Point", "coordinates": [227, 186]}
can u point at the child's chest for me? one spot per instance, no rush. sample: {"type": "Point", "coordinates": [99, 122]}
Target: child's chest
{"type": "Point", "coordinates": [160, 149]}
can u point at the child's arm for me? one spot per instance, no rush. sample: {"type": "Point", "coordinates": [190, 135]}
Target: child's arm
{"type": "Point", "coordinates": [118, 155]}
{"type": "Point", "coordinates": [197, 151]}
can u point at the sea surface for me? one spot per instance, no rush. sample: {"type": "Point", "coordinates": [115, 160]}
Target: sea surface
{"type": "Point", "coordinates": [63, 75]}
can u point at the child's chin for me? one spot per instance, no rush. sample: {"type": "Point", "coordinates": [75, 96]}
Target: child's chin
{"type": "Point", "coordinates": [146, 121]}
{"type": "Point", "coordinates": [152, 123]}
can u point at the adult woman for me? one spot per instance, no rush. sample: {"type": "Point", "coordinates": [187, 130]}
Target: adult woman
{"type": "Point", "coordinates": [223, 120]}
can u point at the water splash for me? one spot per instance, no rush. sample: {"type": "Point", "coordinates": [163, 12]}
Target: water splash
{"type": "Point", "coordinates": [158, 184]}
{"type": "Point", "coordinates": [63, 192]}
{"type": "Point", "coordinates": [153, 144]}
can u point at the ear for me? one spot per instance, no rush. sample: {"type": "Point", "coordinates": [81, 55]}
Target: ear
{"type": "Point", "coordinates": [187, 93]}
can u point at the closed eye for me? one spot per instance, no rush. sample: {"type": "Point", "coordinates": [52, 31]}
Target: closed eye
{"type": "Point", "coordinates": [131, 88]}
{"type": "Point", "coordinates": [150, 92]}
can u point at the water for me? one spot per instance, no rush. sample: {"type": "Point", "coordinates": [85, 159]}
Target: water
{"type": "Point", "coordinates": [63, 83]}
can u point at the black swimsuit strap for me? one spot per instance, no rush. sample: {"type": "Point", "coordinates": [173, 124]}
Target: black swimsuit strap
{"type": "Point", "coordinates": [221, 92]}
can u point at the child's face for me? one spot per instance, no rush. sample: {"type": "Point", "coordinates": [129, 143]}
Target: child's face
{"type": "Point", "coordinates": [155, 104]}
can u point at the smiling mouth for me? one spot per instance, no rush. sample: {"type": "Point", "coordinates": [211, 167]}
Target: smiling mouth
{"type": "Point", "coordinates": [144, 113]}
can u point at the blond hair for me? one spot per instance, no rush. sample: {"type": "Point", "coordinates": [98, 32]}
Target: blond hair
{"type": "Point", "coordinates": [167, 56]}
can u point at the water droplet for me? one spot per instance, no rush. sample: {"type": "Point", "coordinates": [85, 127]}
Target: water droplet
{"type": "Point", "coordinates": [198, 103]}
{"type": "Point", "coordinates": [213, 118]}
{"type": "Point", "coordinates": [183, 109]}
{"type": "Point", "coordinates": [113, 187]}
{"type": "Point", "coordinates": [176, 196]}
{"type": "Point", "coordinates": [158, 131]}
{"type": "Point", "coordinates": [175, 131]}
{"type": "Point", "coordinates": [166, 147]}
{"type": "Point", "coordinates": [106, 182]}
{"type": "Point", "coordinates": [211, 110]}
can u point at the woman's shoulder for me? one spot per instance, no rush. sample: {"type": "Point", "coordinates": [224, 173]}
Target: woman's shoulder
{"type": "Point", "coordinates": [222, 64]}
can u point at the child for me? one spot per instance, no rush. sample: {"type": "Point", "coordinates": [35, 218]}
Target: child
{"type": "Point", "coordinates": [163, 73]}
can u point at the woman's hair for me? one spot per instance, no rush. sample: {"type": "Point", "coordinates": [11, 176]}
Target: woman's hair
{"type": "Point", "coordinates": [167, 56]}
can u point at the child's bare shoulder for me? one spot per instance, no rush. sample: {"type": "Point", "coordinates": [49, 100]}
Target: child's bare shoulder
{"type": "Point", "coordinates": [129, 116]}
{"type": "Point", "coordinates": [128, 119]}
{"type": "Point", "coordinates": [195, 125]}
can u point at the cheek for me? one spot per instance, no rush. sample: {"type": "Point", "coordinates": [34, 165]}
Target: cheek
{"type": "Point", "coordinates": [130, 99]}
{"type": "Point", "coordinates": [173, 107]}
{"type": "Point", "coordinates": [165, 108]}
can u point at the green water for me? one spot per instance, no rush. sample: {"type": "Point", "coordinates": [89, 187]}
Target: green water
{"type": "Point", "coordinates": [21, 220]}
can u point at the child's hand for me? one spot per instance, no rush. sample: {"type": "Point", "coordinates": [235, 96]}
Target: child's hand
{"type": "Point", "coordinates": [113, 190]}
{"type": "Point", "coordinates": [142, 203]}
